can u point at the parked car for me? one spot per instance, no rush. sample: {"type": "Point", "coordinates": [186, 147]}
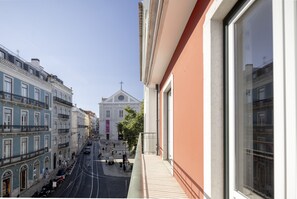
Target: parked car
{"type": "Point", "coordinates": [87, 150]}
{"type": "Point", "coordinates": [61, 174]}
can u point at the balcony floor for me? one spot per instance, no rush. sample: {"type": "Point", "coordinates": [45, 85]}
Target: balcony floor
{"type": "Point", "coordinates": [158, 181]}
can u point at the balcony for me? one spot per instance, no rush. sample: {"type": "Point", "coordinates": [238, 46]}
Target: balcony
{"type": "Point", "coordinates": [19, 158]}
{"type": "Point", "coordinates": [149, 167]}
{"type": "Point", "coordinates": [57, 99]}
{"type": "Point", "coordinates": [63, 116]}
{"type": "Point", "coordinates": [82, 126]}
{"type": "Point", "coordinates": [10, 97]}
{"type": "Point", "coordinates": [63, 145]}
{"type": "Point", "coordinates": [20, 128]}
{"type": "Point", "coordinates": [63, 130]}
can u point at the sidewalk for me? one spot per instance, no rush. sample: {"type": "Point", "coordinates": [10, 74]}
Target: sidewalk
{"type": "Point", "coordinates": [37, 186]}
{"type": "Point", "coordinates": [157, 179]}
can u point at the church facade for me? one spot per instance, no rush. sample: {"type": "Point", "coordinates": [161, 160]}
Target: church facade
{"type": "Point", "coordinates": [112, 111]}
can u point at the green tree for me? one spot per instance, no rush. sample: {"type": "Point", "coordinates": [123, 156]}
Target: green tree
{"type": "Point", "coordinates": [131, 126]}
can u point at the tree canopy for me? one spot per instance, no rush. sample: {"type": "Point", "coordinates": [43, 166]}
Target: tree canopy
{"type": "Point", "coordinates": [131, 126]}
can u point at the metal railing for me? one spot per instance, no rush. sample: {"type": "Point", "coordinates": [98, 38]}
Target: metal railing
{"type": "Point", "coordinates": [63, 116]}
{"type": "Point", "coordinates": [63, 145]}
{"type": "Point", "coordinates": [22, 157]}
{"type": "Point", "coordinates": [22, 128]}
{"type": "Point", "coordinates": [57, 99]}
{"type": "Point", "coordinates": [63, 130]}
{"type": "Point", "coordinates": [146, 144]}
{"type": "Point", "coordinates": [22, 100]}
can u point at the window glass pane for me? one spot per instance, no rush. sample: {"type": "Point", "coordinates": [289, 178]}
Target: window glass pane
{"type": "Point", "coordinates": [8, 84]}
{"type": "Point", "coordinates": [254, 101]}
{"type": "Point", "coordinates": [24, 90]}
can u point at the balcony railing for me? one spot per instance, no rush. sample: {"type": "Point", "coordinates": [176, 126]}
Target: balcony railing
{"type": "Point", "coordinates": [63, 130]}
{"type": "Point", "coordinates": [57, 99]}
{"type": "Point", "coordinates": [146, 144]}
{"type": "Point", "coordinates": [19, 158]}
{"type": "Point", "coordinates": [22, 128]}
{"type": "Point", "coordinates": [63, 145]}
{"type": "Point", "coordinates": [63, 116]}
{"type": "Point", "coordinates": [22, 100]}
{"type": "Point", "coordinates": [82, 126]}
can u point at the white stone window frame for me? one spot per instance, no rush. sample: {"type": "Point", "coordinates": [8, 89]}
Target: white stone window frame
{"type": "Point", "coordinates": [12, 82]}
{"type": "Point", "coordinates": [3, 146]}
{"type": "Point", "coordinates": [21, 145]}
{"type": "Point", "coordinates": [168, 86]}
{"type": "Point", "coordinates": [35, 147]}
{"type": "Point", "coordinates": [27, 86]}
{"type": "Point", "coordinates": [285, 98]}
{"type": "Point", "coordinates": [27, 111]}
{"type": "Point", "coordinates": [48, 141]}
{"type": "Point", "coordinates": [3, 116]}
{"type": "Point", "coordinates": [47, 115]}
{"type": "Point", "coordinates": [37, 123]}
{"type": "Point", "coordinates": [37, 91]}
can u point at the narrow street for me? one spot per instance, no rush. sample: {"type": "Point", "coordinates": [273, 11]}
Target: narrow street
{"type": "Point", "coordinates": [87, 179]}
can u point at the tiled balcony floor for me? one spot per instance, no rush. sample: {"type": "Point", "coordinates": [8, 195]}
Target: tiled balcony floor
{"type": "Point", "coordinates": [158, 181]}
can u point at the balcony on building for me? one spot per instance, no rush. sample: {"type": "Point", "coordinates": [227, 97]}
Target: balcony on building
{"type": "Point", "coordinates": [22, 157]}
{"type": "Point", "coordinates": [62, 101]}
{"type": "Point", "coordinates": [63, 145]}
{"type": "Point", "coordinates": [63, 116]}
{"type": "Point", "coordinates": [63, 130]}
{"type": "Point", "coordinates": [4, 128]}
{"type": "Point", "coordinates": [25, 101]}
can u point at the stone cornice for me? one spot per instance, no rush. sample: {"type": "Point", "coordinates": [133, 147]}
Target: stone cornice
{"type": "Point", "coordinates": [14, 71]}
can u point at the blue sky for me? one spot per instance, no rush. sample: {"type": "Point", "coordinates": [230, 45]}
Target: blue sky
{"type": "Point", "coordinates": [91, 45]}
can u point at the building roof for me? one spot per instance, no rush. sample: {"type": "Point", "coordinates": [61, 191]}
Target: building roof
{"type": "Point", "coordinates": [120, 96]}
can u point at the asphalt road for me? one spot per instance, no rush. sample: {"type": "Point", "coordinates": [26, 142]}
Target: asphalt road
{"type": "Point", "coordinates": [87, 179]}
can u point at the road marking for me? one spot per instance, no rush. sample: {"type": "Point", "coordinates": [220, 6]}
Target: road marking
{"type": "Point", "coordinates": [92, 175]}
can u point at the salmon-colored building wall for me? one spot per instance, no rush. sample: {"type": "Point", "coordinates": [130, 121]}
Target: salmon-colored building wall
{"type": "Point", "coordinates": [186, 66]}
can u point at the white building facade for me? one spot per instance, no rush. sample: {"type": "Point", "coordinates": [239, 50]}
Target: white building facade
{"type": "Point", "coordinates": [61, 117]}
{"type": "Point", "coordinates": [112, 111]}
{"type": "Point", "coordinates": [79, 130]}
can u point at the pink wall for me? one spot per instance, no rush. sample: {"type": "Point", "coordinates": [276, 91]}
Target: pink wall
{"type": "Point", "coordinates": [187, 68]}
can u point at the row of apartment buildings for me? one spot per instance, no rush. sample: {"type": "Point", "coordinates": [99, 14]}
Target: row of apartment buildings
{"type": "Point", "coordinates": [220, 93]}
{"type": "Point", "coordinates": [40, 129]}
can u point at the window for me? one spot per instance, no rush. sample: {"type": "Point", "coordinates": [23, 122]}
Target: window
{"type": "Point", "coordinates": [24, 90]}
{"type": "Point", "coordinates": [7, 148]}
{"type": "Point", "coordinates": [36, 143]}
{"type": "Point", "coordinates": [36, 119]}
{"type": "Point", "coordinates": [24, 146]}
{"type": "Point", "coordinates": [250, 68]}
{"type": "Point", "coordinates": [121, 113]}
{"type": "Point", "coordinates": [46, 141]}
{"type": "Point", "coordinates": [46, 120]}
{"type": "Point", "coordinates": [56, 126]}
{"type": "Point", "coordinates": [55, 141]}
{"type": "Point", "coordinates": [108, 113]}
{"type": "Point", "coordinates": [55, 110]}
{"type": "Point", "coordinates": [24, 118]}
{"type": "Point", "coordinates": [2, 54]}
{"type": "Point", "coordinates": [18, 63]}
{"type": "Point", "coordinates": [37, 94]}
{"type": "Point", "coordinates": [261, 93]}
{"type": "Point", "coordinates": [7, 84]}
{"type": "Point", "coordinates": [46, 99]}
{"type": "Point", "coordinates": [7, 118]}
{"type": "Point", "coordinates": [31, 70]}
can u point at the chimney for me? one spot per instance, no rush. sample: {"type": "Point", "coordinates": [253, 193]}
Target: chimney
{"type": "Point", "coordinates": [35, 62]}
